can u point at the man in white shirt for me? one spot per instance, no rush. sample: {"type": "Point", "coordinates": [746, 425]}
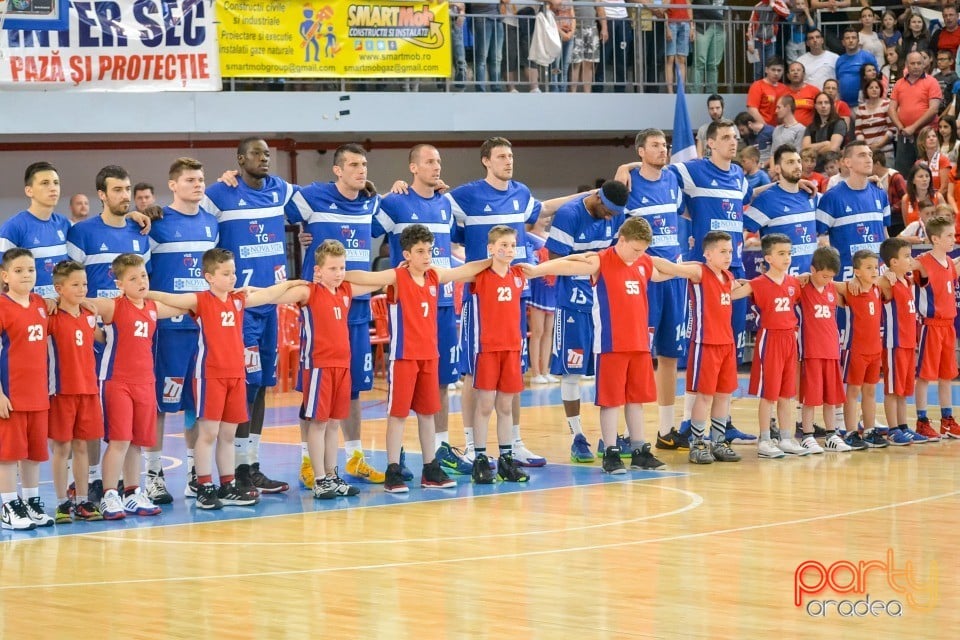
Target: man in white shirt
{"type": "Point", "coordinates": [819, 63]}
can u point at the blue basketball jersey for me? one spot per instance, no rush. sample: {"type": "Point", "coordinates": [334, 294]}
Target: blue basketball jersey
{"type": "Point", "coordinates": [252, 227]}
{"type": "Point", "coordinates": [399, 211]}
{"type": "Point", "coordinates": [660, 203]}
{"type": "Point", "coordinates": [715, 200]}
{"type": "Point", "coordinates": [46, 239]}
{"type": "Point", "coordinates": [792, 214]}
{"type": "Point", "coordinates": [328, 215]}
{"type": "Point", "coordinates": [574, 230]}
{"type": "Point", "coordinates": [854, 220]}
{"type": "Point", "coordinates": [177, 244]}
{"type": "Point", "coordinates": [94, 244]}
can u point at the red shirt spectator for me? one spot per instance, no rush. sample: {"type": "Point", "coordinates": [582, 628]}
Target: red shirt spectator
{"type": "Point", "coordinates": [763, 94]}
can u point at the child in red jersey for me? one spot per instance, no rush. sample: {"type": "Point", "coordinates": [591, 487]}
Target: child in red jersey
{"type": "Point", "coordinates": [127, 385]}
{"type": "Point", "coordinates": [712, 361]}
{"type": "Point", "coordinates": [935, 283]}
{"type": "Point", "coordinates": [76, 415]}
{"type": "Point", "coordinates": [24, 401]}
{"type": "Point", "coordinates": [220, 375]}
{"type": "Point", "coordinates": [414, 356]}
{"type": "Point", "coordinates": [625, 378]}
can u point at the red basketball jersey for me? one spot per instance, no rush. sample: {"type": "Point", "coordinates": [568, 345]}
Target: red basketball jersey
{"type": "Point", "coordinates": [775, 303]}
{"type": "Point", "coordinates": [936, 294]}
{"type": "Point", "coordinates": [325, 341]}
{"type": "Point", "coordinates": [900, 317]}
{"type": "Point", "coordinates": [711, 308]}
{"type": "Point", "coordinates": [819, 333]}
{"type": "Point", "coordinates": [220, 353]}
{"type": "Point", "coordinates": [413, 316]}
{"type": "Point", "coordinates": [128, 354]}
{"type": "Point", "coordinates": [620, 308]}
{"type": "Point", "coordinates": [863, 321]}
{"type": "Point", "coordinates": [73, 366]}
{"type": "Point", "coordinates": [496, 302]}
{"type": "Point", "coordinates": [23, 353]}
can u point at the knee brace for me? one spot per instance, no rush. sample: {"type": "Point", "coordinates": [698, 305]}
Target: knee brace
{"type": "Point", "coordinates": [570, 387]}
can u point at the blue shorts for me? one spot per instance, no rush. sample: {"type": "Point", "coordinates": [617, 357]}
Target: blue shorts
{"type": "Point", "coordinates": [175, 358]}
{"type": "Point", "coordinates": [260, 348]}
{"type": "Point", "coordinates": [448, 344]}
{"type": "Point", "coordinates": [668, 317]}
{"type": "Point", "coordinates": [542, 295]}
{"type": "Point", "coordinates": [680, 45]}
{"type": "Point", "coordinates": [361, 360]}
{"type": "Point", "coordinates": [470, 341]}
{"type": "Point", "coordinates": [739, 321]}
{"type": "Point", "coordinates": [572, 352]}
{"type": "Point", "coordinates": [524, 343]}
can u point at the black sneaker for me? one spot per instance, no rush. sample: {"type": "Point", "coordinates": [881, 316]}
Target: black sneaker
{"type": "Point", "coordinates": [509, 471]}
{"type": "Point", "coordinates": [36, 513]}
{"type": "Point", "coordinates": [156, 488]}
{"type": "Point", "coordinates": [612, 463]}
{"type": "Point", "coordinates": [673, 441]}
{"type": "Point", "coordinates": [265, 484]}
{"type": "Point", "coordinates": [774, 430]}
{"type": "Point", "coordinates": [208, 498]}
{"type": "Point", "coordinates": [855, 442]}
{"type": "Point", "coordinates": [231, 494]}
{"type": "Point", "coordinates": [241, 476]}
{"type": "Point", "coordinates": [482, 473]}
{"type": "Point", "coordinates": [393, 479]}
{"type": "Point", "coordinates": [95, 491]}
{"type": "Point", "coordinates": [875, 440]}
{"type": "Point", "coordinates": [643, 459]}
{"type": "Point", "coordinates": [192, 488]}
{"type": "Point", "coordinates": [433, 477]}
{"type": "Point", "coordinates": [343, 489]}
{"type": "Point", "coordinates": [324, 489]}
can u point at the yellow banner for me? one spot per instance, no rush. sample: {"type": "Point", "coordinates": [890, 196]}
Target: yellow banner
{"type": "Point", "coordinates": [333, 38]}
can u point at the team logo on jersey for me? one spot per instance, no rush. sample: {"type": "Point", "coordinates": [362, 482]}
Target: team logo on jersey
{"type": "Point", "coordinates": [153, 315]}
{"type": "Point", "coordinates": [713, 183]}
{"type": "Point", "coordinates": [172, 390]}
{"type": "Point", "coordinates": [877, 203]}
{"type": "Point", "coordinates": [608, 231]}
{"type": "Point", "coordinates": [136, 246]}
{"type": "Point", "coordinates": [276, 197]}
{"type": "Point", "coordinates": [333, 205]}
{"type": "Point", "coordinates": [189, 260]}
{"type": "Point", "coordinates": [103, 247]}
{"type": "Point", "coordinates": [176, 234]}
{"type": "Point", "coordinates": [486, 209]}
{"type": "Point", "coordinates": [644, 200]}
{"type": "Point", "coordinates": [36, 240]}
{"type": "Point", "coordinates": [42, 312]}
{"type": "Point", "coordinates": [848, 209]}
{"type": "Point", "coordinates": [518, 281]}
{"type": "Point", "coordinates": [48, 266]}
{"type": "Point", "coordinates": [516, 205]}
{"type": "Point", "coordinates": [237, 304]}
{"type": "Point", "coordinates": [433, 291]}
{"type": "Point", "coordinates": [443, 214]}
{"type": "Point", "coordinates": [92, 321]}
{"type": "Point", "coordinates": [791, 291]}
{"type": "Point", "coordinates": [209, 234]}
{"type": "Point", "coordinates": [574, 357]}
{"type": "Point", "coordinates": [414, 216]}
{"type": "Point", "coordinates": [728, 208]}
{"type": "Point", "coordinates": [346, 301]}
{"type": "Point", "coordinates": [786, 209]}
{"type": "Point", "coordinates": [241, 202]}
{"type": "Point", "coordinates": [60, 233]}
{"type": "Point", "coordinates": [862, 229]}
{"type": "Point", "coordinates": [830, 297]}
{"type": "Point", "coordinates": [582, 236]}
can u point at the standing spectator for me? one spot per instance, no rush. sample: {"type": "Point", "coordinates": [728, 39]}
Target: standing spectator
{"type": "Point", "coordinates": [893, 183]}
{"type": "Point", "coordinates": [567, 26]}
{"type": "Point", "coordinates": [487, 44]}
{"type": "Point", "coordinates": [586, 46]}
{"type": "Point", "coordinates": [873, 122]}
{"type": "Point", "coordinates": [893, 70]}
{"type": "Point", "coordinates": [679, 33]}
{"type": "Point", "coordinates": [949, 145]}
{"type": "Point", "coordinates": [517, 27]}
{"type": "Point", "coordinates": [802, 93]}
{"type": "Point", "coordinates": [928, 152]}
{"type": "Point", "coordinates": [762, 33]}
{"type": "Point", "coordinates": [828, 129]}
{"type": "Point", "coordinates": [617, 49]}
{"type": "Point", "coordinates": [889, 33]}
{"type": "Point", "coordinates": [833, 17]}
{"type": "Point", "coordinates": [763, 94]}
{"type": "Point", "coordinates": [456, 45]}
{"type": "Point", "coordinates": [143, 196]}
{"type": "Point", "coordinates": [948, 36]}
{"type": "Point", "coordinates": [789, 131]}
{"type": "Point", "coordinates": [715, 111]}
{"type": "Point", "coordinates": [819, 64]}
{"type": "Point", "coordinates": [913, 104]}
{"type": "Point", "coordinates": [869, 40]}
{"type": "Point", "coordinates": [794, 32]}
{"type": "Point", "coordinates": [652, 35]}
{"type": "Point", "coordinates": [832, 89]}
{"type": "Point", "coordinates": [945, 75]}
{"type": "Point", "coordinates": [849, 64]}
{"type": "Point", "coordinates": [755, 133]}
{"type": "Point", "coordinates": [710, 41]}
{"type": "Point", "coordinates": [920, 193]}
{"type": "Point", "coordinates": [749, 159]}
{"type": "Point", "coordinates": [916, 37]}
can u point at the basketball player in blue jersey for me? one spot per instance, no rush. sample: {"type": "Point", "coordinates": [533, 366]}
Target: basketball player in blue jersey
{"type": "Point", "coordinates": [252, 221]}
{"type": "Point", "coordinates": [343, 210]}
{"type": "Point", "coordinates": [177, 243]}
{"type": "Point", "coordinates": [420, 203]}
{"type": "Point", "coordinates": [586, 223]}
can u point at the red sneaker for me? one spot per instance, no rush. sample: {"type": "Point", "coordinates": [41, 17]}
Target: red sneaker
{"type": "Point", "coordinates": [949, 428]}
{"type": "Point", "coordinates": [924, 429]}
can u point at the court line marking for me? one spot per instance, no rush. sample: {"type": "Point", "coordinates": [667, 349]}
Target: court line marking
{"type": "Point", "coordinates": [504, 556]}
{"type": "Point", "coordinates": [695, 501]}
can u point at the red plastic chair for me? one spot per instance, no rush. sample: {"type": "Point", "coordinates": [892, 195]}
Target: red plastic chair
{"type": "Point", "coordinates": [288, 346]}
{"type": "Point", "coordinates": [380, 334]}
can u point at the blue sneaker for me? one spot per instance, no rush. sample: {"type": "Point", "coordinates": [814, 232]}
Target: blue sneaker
{"type": "Point", "coordinates": [623, 443]}
{"type": "Point", "coordinates": [733, 435]}
{"type": "Point", "coordinates": [404, 471]}
{"type": "Point", "coordinates": [580, 449]}
{"type": "Point", "coordinates": [685, 429]}
{"type": "Point", "coordinates": [451, 460]}
{"type": "Point", "coordinates": [916, 437]}
{"type": "Point", "coordinates": [899, 437]}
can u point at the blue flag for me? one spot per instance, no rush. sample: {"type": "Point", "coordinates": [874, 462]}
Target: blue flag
{"type": "Point", "coordinates": [684, 147]}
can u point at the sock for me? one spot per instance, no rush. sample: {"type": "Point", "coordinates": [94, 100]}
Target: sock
{"type": "Point", "coordinates": [902, 427]}
{"type": "Point", "coordinates": [304, 453]}
{"type": "Point", "coordinates": [191, 466]}
{"type": "Point", "coordinates": [688, 400]}
{"type": "Point", "coordinates": [468, 435]}
{"type": "Point", "coordinates": [697, 427]}
{"type": "Point", "coordinates": [69, 472]}
{"type": "Point", "coordinates": [226, 479]}
{"type": "Point", "coordinates": [241, 449]}
{"type": "Point", "coordinates": [718, 429]}
{"type": "Point", "coordinates": [129, 491]}
{"type": "Point", "coordinates": [350, 446]}
{"type": "Point", "coordinates": [946, 412]}
{"type": "Point", "coordinates": [516, 433]}
{"type": "Point", "coordinates": [205, 479]}
{"type": "Point", "coordinates": [31, 492]}
{"type": "Point", "coordinates": [481, 451]}
{"type": "Point", "coordinates": [81, 499]}
{"type": "Point", "coordinates": [9, 497]}
{"type": "Point", "coordinates": [575, 427]}
{"type": "Point", "coordinates": [506, 449]}
{"type": "Point", "coordinates": [440, 437]}
{"type": "Point", "coordinates": [95, 473]}
{"type": "Point", "coordinates": [253, 455]}
{"type": "Point", "coordinates": [153, 461]}
{"type": "Point", "coordinates": [667, 415]}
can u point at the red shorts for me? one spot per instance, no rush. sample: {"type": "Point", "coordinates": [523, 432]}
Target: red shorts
{"type": "Point", "coordinates": [75, 417]}
{"type": "Point", "coordinates": [625, 378]}
{"type": "Point", "coordinates": [129, 412]}
{"type": "Point", "coordinates": [23, 436]}
{"type": "Point", "coordinates": [821, 383]}
{"type": "Point", "coordinates": [712, 368]}
{"type": "Point", "coordinates": [414, 384]}
{"type": "Point", "coordinates": [326, 394]}
{"type": "Point", "coordinates": [899, 365]}
{"type": "Point", "coordinates": [221, 399]}
{"type": "Point", "coordinates": [861, 368]}
{"type": "Point", "coordinates": [936, 359]}
{"type": "Point", "coordinates": [498, 371]}
{"type": "Point", "coordinates": [773, 374]}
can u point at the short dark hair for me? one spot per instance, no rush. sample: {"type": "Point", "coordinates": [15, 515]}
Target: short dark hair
{"type": "Point", "coordinates": [743, 119]}
{"type": "Point", "coordinates": [35, 168]}
{"type": "Point", "coordinates": [213, 258]}
{"type": "Point", "coordinates": [414, 235]}
{"type": "Point", "coordinates": [861, 255]}
{"type": "Point", "coordinates": [110, 171]}
{"type": "Point", "coordinates": [64, 268]}
{"type": "Point", "coordinates": [716, 125]}
{"type": "Point", "coordinates": [184, 164]}
{"type": "Point", "coordinates": [344, 149]}
{"type": "Point", "coordinates": [768, 241]}
{"type": "Point", "coordinates": [782, 149]}
{"type": "Point", "coordinates": [143, 186]}
{"type": "Point", "coordinates": [848, 150]}
{"type": "Point", "coordinates": [826, 259]}
{"type": "Point", "coordinates": [789, 101]}
{"type": "Point", "coordinates": [851, 29]}
{"type": "Point", "coordinates": [12, 254]}
{"type": "Point", "coordinates": [715, 97]}
{"type": "Point", "coordinates": [491, 143]}
{"type": "Point", "coordinates": [713, 237]}
{"type": "Point", "coordinates": [414, 155]}
{"type": "Point", "coordinates": [646, 134]}
{"type": "Point", "coordinates": [616, 192]}
{"type": "Point", "coordinates": [890, 248]}
{"type": "Point", "coordinates": [773, 61]}
{"type": "Point", "coordinates": [244, 145]}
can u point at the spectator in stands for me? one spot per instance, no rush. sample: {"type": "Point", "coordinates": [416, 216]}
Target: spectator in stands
{"type": "Point", "coordinates": [808, 160]}
{"type": "Point", "coordinates": [79, 207]}
{"type": "Point", "coordinates": [678, 33]}
{"type": "Point", "coordinates": [802, 93]}
{"type": "Point", "coordinates": [456, 44]}
{"type": "Point", "coordinates": [949, 145]}
{"type": "Point", "coordinates": [913, 104]}
{"type": "Point", "coordinates": [715, 111]}
{"type": "Point", "coordinates": [830, 162]}
{"type": "Point", "coordinates": [947, 37]}
{"type": "Point", "coordinates": [893, 70]}
{"type": "Point", "coordinates": [928, 152]}
{"type": "Point", "coordinates": [920, 193]}
{"type": "Point", "coordinates": [789, 131]}
{"type": "Point", "coordinates": [916, 37]}
{"type": "Point", "coordinates": [849, 64]}
{"type": "Point", "coordinates": [828, 129]}
{"type": "Point", "coordinates": [795, 31]}
{"type": "Point", "coordinates": [893, 183]}
{"type": "Point", "coordinates": [709, 44]}
{"type": "Point", "coordinates": [567, 26]}
{"type": "Point", "coordinates": [762, 33]}
{"type": "Point", "coordinates": [517, 29]}
{"type": "Point", "coordinates": [763, 94]}
{"type": "Point", "coordinates": [487, 44]}
{"type": "Point", "coordinates": [617, 49]}
{"type": "Point", "coordinates": [652, 37]}
{"type": "Point", "coordinates": [755, 133]}
{"type": "Point", "coordinates": [869, 40]}
{"type": "Point", "coordinates": [749, 159]}
{"type": "Point", "coordinates": [832, 89]}
{"type": "Point", "coordinates": [590, 29]}
{"type": "Point", "coordinates": [889, 32]}
{"type": "Point", "coordinates": [870, 72]}
{"type": "Point", "coordinates": [945, 75]}
{"type": "Point", "coordinates": [833, 18]}
{"type": "Point", "coordinates": [874, 125]}
{"type": "Point", "coordinates": [143, 196]}
{"type": "Point", "coordinates": [819, 64]}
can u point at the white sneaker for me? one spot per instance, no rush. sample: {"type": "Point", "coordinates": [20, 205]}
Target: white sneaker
{"type": "Point", "coordinates": [541, 379]}
{"type": "Point", "coordinates": [138, 504]}
{"type": "Point", "coordinates": [552, 379]}
{"type": "Point", "coordinates": [836, 444]}
{"type": "Point", "coordinates": [526, 458]}
{"type": "Point", "coordinates": [767, 449]}
{"type": "Point", "coordinates": [452, 386]}
{"type": "Point", "coordinates": [36, 513]}
{"type": "Point", "coordinates": [13, 515]}
{"type": "Point", "coordinates": [792, 447]}
{"type": "Point", "coordinates": [811, 445]}
{"type": "Point", "coordinates": [470, 454]}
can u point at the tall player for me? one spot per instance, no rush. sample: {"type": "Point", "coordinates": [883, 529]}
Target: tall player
{"type": "Point", "coordinates": [344, 210]}
{"type": "Point", "coordinates": [252, 221]}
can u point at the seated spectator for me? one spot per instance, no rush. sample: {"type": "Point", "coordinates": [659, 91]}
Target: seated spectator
{"type": "Point", "coordinates": [874, 125]}
{"type": "Point", "coordinates": [889, 32]}
{"type": "Point", "coordinates": [869, 40]}
{"type": "Point", "coordinates": [802, 93]}
{"type": "Point", "coordinates": [928, 152]}
{"type": "Point", "coordinates": [945, 76]}
{"type": "Point", "coordinates": [762, 95]}
{"type": "Point", "coordinates": [891, 181]}
{"type": "Point", "coordinates": [789, 131]}
{"type": "Point", "coordinates": [755, 133]}
{"type": "Point", "coordinates": [920, 193]}
{"type": "Point", "coordinates": [832, 89]}
{"type": "Point", "coordinates": [749, 159]}
{"type": "Point", "coordinates": [870, 72]}
{"type": "Point", "coordinates": [949, 145]}
{"type": "Point", "coordinates": [916, 231]}
{"type": "Point", "coordinates": [808, 160]}
{"type": "Point", "coordinates": [828, 130]}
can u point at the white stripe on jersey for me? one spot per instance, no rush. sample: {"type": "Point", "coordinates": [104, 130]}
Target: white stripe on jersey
{"type": "Point", "coordinates": [502, 218]}
{"type": "Point", "coordinates": [76, 253]}
{"type": "Point", "coordinates": [195, 246]}
{"type": "Point", "coordinates": [764, 220]}
{"type": "Point", "coordinates": [853, 218]}
{"type": "Point", "coordinates": [47, 252]}
{"type": "Point", "coordinates": [244, 214]}
{"type": "Point", "coordinates": [653, 209]}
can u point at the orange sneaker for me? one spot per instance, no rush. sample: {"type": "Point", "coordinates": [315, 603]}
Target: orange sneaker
{"type": "Point", "coordinates": [924, 429]}
{"type": "Point", "coordinates": [949, 428]}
